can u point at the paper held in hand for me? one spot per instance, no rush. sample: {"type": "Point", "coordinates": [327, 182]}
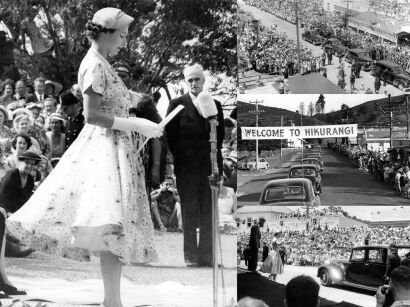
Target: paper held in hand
{"type": "Point", "coordinates": [164, 122]}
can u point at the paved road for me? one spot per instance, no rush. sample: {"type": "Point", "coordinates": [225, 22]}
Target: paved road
{"type": "Point", "coordinates": [334, 293]}
{"type": "Point", "coordinates": [269, 19]}
{"type": "Point", "coordinates": [343, 185]}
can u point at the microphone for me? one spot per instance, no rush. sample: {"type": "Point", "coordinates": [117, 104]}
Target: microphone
{"type": "Point", "coordinates": [206, 105]}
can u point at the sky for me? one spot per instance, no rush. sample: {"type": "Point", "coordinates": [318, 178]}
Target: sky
{"type": "Point", "coordinates": [291, 102]}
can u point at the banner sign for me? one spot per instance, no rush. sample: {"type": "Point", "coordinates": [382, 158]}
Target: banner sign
{"type": "Point", "coordinates": [300, 132]}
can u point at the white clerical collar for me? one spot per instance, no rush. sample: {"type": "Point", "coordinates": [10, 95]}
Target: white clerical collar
{"type": "Point", "coordinates": [195, 102]}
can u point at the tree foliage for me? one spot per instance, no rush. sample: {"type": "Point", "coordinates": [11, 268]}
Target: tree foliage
{"type": "Point", "coordinates": [165, 36]}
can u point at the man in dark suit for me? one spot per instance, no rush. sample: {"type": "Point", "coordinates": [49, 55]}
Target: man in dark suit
{"type": "Point", "coordinates": [188, 140]}
{"type": "Point", "coordinates": [254, 245]}
{"type": "Point", "coordinates": [393, 260]}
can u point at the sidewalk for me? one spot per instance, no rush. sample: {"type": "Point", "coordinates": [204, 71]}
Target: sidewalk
{"type": "Point", "coordinates": [168, 282]}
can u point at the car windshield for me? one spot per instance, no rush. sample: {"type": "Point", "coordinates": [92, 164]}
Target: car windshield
{"type": "Point", "coordinates": [286, 193]}
{"type": "Point", "coordinates": [309, 161]}
{"type": "Point", "coordinates": [297, 172]}
{"type": "Point", "coordinates": [314, 33]}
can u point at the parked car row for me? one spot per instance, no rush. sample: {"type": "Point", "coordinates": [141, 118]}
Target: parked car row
{"type": "Point", "coordinates": [303, 185]}
{"type": "Point", "coordinates": [387, 71]}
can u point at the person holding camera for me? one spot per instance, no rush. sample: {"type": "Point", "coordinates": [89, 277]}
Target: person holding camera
{"type": "Point", "coordinates": [165, 205]}
{"type": "Point", "coordinates": [397, 293]}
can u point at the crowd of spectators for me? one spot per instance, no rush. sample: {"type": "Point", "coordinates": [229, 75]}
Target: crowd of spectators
{"type": "Point", "coordinates": [266, 50]}
{"type": "Point", "coordinates": [387, 167]}
{"type": "Point", "coordinates": [319, 245]}
{"type": "Point", "coordinates": [399, 10]}
{"type": "Point", "coordinates": [40, 118]}
{"type": "Point", "coordinates": [312, 17]}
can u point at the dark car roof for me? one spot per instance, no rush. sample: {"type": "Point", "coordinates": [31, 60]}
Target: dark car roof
{"type": "Point", "coordinates": [388, 63]}
{"type": "Point", "coordinates": [306, 183]}
{"type": "Point", "coordinates": [287, 181]}
{"type": "Point", "coordinates": [302, 166]}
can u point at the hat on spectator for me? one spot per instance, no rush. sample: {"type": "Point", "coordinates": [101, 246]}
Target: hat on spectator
{"type": "Point", "coordinates": [22, 111]}
{"type": "Point", "coordinates": [111, 18]}
{"type": "Point", "coordinates": [33, 105]}
{"type": "Point", "coordinates": [57, 116]}
{"type": "Point", "coordinates": [21, 117]}
{"type": "Point", "coordinates": [57, 86]}
{"type": "Point", "coordinates": [28, 155]}
{"type": "Point", "coordinates": [233, 157]}
{"type": "Point", "coordinates": [68, 99]}
{"type": "Point", "coordinates": [50, 99]}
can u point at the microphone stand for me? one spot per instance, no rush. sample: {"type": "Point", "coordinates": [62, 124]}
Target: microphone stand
{"type": "Point", "coordinates": [214, 182]}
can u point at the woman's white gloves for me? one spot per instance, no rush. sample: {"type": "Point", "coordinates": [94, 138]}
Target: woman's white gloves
{"type": "Point", "coordinates": [140, 125]}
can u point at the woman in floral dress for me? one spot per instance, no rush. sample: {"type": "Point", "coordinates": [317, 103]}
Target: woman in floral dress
{"type": "Point", "coordinates": [95, 199]}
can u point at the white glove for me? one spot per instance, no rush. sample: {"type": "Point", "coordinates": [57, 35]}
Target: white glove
{"type": "Point", "coordinates": [140, 125]}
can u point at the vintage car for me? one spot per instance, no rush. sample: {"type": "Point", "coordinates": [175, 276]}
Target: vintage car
{"type": "Point", "coordinates": [263, 164]}
{"type": "Point", "coordinates": [313, 37]}
{"type": "Point", "coordinates": [313, 161]}
{"type": "Point", "coordinates": [392, 73]}
{"type": "Point", "coordinates": [289, 192]}
{"type": "Point", "coordinates": [318, 157]}
{"type": "Point", "coordinates": [308, 171]}
{"type": "Point", "coordinates": [365, 268]}
{"type": "Point", "coordinates": [335, 46]}
{"type": "Point", "coordinates": [359, 56]}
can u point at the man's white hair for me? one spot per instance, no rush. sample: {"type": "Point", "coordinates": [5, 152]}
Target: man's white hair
{"type": "Point", "coordinates": [195, 69]}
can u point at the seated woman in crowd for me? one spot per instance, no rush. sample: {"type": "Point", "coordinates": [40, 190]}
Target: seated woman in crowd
{"type": "Point", "coordinates": [20, 145]}
{"type": "Point", "coordinates": [22, 124]}
{"type": "Point", "coordinates": [7, 90]}
{"type": "Point", "coordinates": [6, 134]}
{"type": "Point", "coordinates": [56, 137]}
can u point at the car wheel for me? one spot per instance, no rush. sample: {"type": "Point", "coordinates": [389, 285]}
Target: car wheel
{"type": "Point", "coordinates": [325, 279]}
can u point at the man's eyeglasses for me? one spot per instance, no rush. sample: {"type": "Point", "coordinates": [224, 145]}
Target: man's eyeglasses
{"type": "Point", "coordinates": [190, 80]}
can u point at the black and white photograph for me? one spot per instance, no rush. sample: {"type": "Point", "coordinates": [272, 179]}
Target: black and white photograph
{"type": "Point", "coordinates": [323, 214]}
{"type": "Point", "coordinates": [118, 153]}
{"type": "Point", "coordinates": [323, 46]}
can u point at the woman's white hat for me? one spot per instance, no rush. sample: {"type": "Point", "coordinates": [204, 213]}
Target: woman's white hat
{"type": "Point", "coordinates": [111, 18]}
{"type": "Point", "coordinates": [58, 117]}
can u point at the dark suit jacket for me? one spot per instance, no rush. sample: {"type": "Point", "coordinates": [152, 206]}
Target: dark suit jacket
{"type": "Point", "coordinates": [255, 237]}
{"type": "Point", "coordinates": [12, 195]}
{"type": "Point", "coordinates": [393, 261]}
{"type": "Point", "coordinates": [188, 136]}
{"type": "Point", "coordinates": [265, 253]}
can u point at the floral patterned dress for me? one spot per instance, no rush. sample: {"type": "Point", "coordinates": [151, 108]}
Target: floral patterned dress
{"type": "Point", "coordinates": [95, 199]}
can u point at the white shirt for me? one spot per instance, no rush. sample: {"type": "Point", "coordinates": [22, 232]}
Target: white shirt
{"type": "Point", "coordinates": [39, 97]}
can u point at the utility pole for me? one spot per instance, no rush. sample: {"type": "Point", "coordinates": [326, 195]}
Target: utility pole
{"type": "Point", "coordinates": [347, 11]}
{"type": "Point", "coordinates": [297, 35]}
{"type": "Point", "coordinates": [407, 116]}
{"type": "Point", "coordinates": [257, 112]}
{"type": "Point", "coordinates": [391, 122]}
{"type": "Point", "coordinates": [281, 124]}
{"type": "Point", "coordinates": [390, 116]}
